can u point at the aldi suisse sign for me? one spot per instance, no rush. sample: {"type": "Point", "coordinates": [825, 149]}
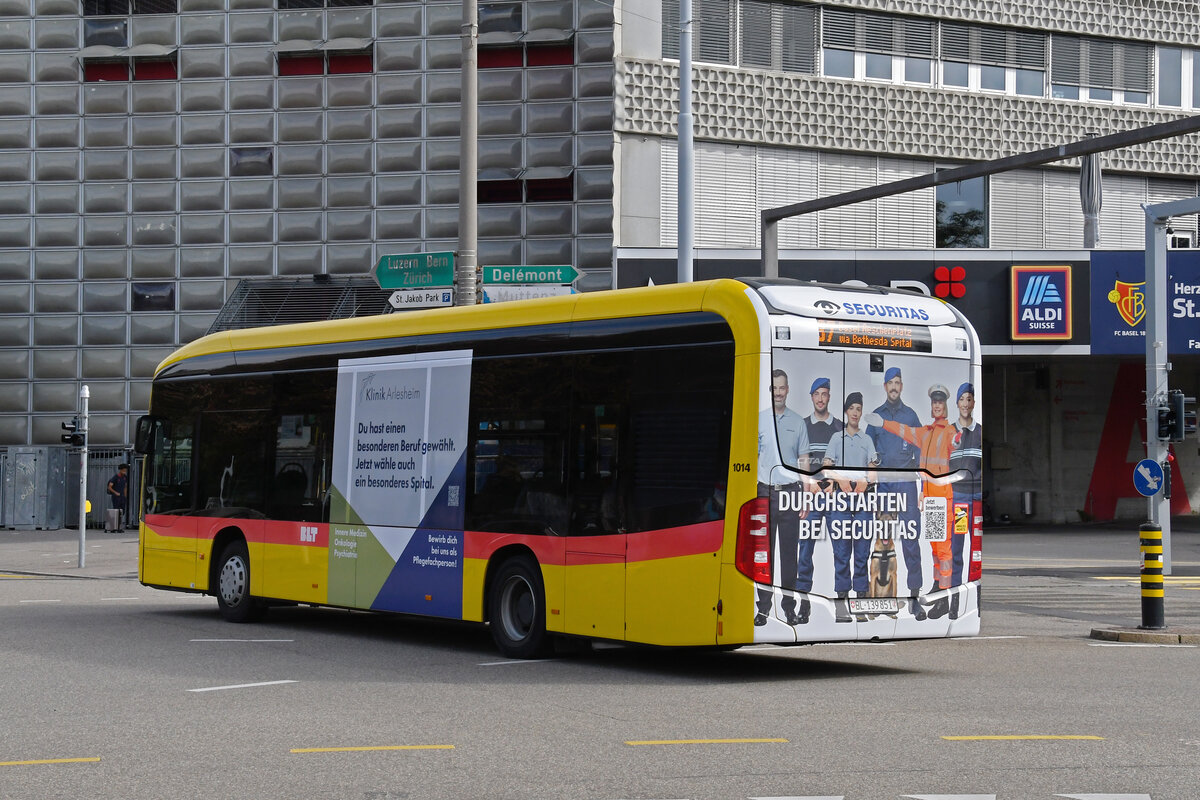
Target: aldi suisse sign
{"type": "Point", "coordinates": [1041, 303]}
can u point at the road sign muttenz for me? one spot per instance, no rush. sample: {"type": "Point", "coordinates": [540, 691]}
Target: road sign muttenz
{"type": "Point", "coordinates": [415, 271]}
{"type": "Point", "coordinates": [1148, 477]}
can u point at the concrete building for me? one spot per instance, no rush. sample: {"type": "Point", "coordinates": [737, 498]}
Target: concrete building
{"type": "Point", "coordinates": [154, 153]}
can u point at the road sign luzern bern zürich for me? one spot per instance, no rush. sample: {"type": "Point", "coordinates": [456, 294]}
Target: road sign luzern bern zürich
{"type": "Point", "coordinates": [415, 270]}
{"type": "Point", "coordinates": [562, 274]}
{"type": "Point", "coordinates": [1148, 477]}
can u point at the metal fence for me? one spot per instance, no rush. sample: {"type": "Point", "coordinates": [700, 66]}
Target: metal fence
{"type": "Point", "coordinates": [39, 487]}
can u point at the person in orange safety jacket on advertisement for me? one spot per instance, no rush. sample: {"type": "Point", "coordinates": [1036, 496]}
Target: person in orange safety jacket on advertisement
{"type": "Point", "coordinates": [937, 441]}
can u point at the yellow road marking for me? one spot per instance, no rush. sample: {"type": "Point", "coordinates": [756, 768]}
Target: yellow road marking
{"type": "Point", "coordinates": [1168, 578]}
{"type": "Point", "coordinates": [1021, 737]}
{"type": "Point", "coordinates": [49, 761]}
{"type": "Point", "coordinates": [18, 577]}
{"type": "Point", "coordinates": [708, 741]}
{"type": "Point", "coordinates": [365, 749]}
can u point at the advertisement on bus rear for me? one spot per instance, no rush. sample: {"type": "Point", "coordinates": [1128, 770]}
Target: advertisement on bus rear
{"type": "Point", "coordinates": [871, 454]}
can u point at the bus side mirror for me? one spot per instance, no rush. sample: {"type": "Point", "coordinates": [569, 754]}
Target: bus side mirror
{"type": "Point", "coordinates": [147, 427]}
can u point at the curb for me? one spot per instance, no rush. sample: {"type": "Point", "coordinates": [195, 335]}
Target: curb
{"type": "Point", "coordinates": [1165, 636]}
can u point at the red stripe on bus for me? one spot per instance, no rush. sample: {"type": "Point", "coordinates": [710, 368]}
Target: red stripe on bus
{"type": "Point", "coordinates": [687, 540]}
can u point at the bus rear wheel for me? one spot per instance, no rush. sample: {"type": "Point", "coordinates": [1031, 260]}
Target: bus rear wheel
{"type": "Point", "coordinates": [233, 585]}
{"type": "Point", "coordinates": [517, 609]}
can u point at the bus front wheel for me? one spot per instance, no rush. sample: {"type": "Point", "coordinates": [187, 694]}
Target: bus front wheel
{"type": "Point", "coordinates": [233, 585]}
{"type": "Point", "coordinates": [517, 609]}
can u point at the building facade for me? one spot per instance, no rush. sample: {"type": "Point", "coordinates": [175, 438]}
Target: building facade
{"type": "Point", "coordinates": [153, 153]}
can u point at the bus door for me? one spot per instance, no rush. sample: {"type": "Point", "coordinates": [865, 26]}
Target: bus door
{"type": "Point", "coordinates": [595, 547]}
{"type": "Point", "coordinates": [168, 537]}
{"type": "Point", "coordinates": [231, 482]}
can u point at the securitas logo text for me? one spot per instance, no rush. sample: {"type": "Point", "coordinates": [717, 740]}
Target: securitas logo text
{"type": "Point", "coordinates": [886, 311]}
{"type": "Point", "coordinates": [1041, 303]}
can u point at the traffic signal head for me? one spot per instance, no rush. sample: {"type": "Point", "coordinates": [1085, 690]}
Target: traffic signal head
{"type": "Point", "coordinates": [75, 437]}
{"type": "Point", "coordinates": [1166, 423]}
{"type": "Point", "coordinates": [1176, 417]}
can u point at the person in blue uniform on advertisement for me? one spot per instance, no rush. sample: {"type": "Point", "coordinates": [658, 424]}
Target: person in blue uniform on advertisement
{"type": "Point", "coordinates": [850, 447]}
{"type": "Point", "coordinates": [821, 426]}
{"type": "Point", "coordinates": [896, 453]}
{"type": "Point", "coordinates": [968, 493]}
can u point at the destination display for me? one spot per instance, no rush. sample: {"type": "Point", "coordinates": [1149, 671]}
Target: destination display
{"type": "Point", "coordinates": [874, 336]}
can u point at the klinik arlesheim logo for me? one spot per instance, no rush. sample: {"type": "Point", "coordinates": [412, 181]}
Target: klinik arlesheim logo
{"type": "Point", "coordinates": [1041, 303]}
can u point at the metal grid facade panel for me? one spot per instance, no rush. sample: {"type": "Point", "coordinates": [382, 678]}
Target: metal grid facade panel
{"type": "Point", "coordinates": [233, 171]}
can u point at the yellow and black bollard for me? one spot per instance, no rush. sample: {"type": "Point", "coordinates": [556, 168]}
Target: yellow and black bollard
{"type": "Point", "coordinates": [1152, 577]}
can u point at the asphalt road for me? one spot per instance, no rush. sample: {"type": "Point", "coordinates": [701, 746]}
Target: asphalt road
{"type": "Point", "coordinates": [111, 689]}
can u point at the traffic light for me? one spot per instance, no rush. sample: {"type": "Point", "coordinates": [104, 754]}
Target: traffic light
{"type": "Point", "coordinates": [1166, 422]}
{"type": "Point", "coordinates": [1177, 417]}
{"type": "Point", "coordinates": [1189, 415]}
{"type": "Point", "coordinates": [75, 437]}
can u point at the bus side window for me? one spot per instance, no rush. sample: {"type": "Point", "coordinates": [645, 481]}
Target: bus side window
{"type": "Point", "coordinates": [303, 460]}
{"type": "Point", "coordinates": [516, 458]}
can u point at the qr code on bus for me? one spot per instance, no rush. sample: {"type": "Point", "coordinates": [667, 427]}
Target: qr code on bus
{"type": "Point", "coordinates": [452, 496]}
{"type": "Point", "coordinates": [933, 519]}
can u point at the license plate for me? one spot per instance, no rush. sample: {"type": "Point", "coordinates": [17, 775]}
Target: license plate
{"type": "Point", "coordinates": [874, 605]}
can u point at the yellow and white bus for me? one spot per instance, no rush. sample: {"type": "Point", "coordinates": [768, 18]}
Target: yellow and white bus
{"type": "Point", "coordinates": [620, 465]}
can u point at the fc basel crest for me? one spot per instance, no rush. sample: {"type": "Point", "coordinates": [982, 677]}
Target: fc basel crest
{"type": "Point", "coordinates": [1130, 300]}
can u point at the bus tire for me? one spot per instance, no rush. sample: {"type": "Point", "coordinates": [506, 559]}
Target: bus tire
{"type": "Point", "coordinates": [517, 609]}
{"type": "Point", "coordinates": [233, 585]}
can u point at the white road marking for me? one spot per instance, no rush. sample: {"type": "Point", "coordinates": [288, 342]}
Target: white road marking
{"type": "Point", "coordinates": [1134, 644]}
{"type": "Point", "coordinates": [515, 661]}
{"type": "Point", "coordinates": [240, 686]}
{"type": "Point", "coordinates": [242, 640]}
{"type": "Point", "coordinates": [40, 601]}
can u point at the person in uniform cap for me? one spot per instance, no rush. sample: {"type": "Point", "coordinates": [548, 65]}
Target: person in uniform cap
{"type": "Point", "coordinates": [968, 457]}
{"type": "Point", "coordinates": [937, 441]}
{"type": "Point", "coordinates": [852, 449]}
{"type": "Point", "coordinates": [821, 426]}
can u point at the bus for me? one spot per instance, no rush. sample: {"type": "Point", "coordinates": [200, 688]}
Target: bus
{"type": "Point", "coordinates": [633, 466]}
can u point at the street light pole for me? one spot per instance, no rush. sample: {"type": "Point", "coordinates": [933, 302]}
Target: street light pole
{"type": "Point", "coordinates": [686, 221]}
{"type": "Point", "coordinates": [84, 394]}
{"type": "Point", "coordinates": [468, 161]}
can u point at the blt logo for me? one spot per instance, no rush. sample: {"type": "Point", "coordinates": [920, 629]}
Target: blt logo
{"type": "Point", "coordinates": [308, 533]}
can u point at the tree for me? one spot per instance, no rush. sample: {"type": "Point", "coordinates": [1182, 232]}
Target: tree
{"type": "Point", "coordinates": [961, 228]}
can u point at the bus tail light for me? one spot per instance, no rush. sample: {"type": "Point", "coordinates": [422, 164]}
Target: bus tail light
{"type": "Point", "coordinates": [754, 541]}
{"type": "Point", "coordinates": [976, 569]}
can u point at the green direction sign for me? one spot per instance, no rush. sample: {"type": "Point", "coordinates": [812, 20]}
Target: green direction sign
{"type": "Point", "coordinates": [415, 271]}
{"type": "Point", "coordinates": [561, 275]}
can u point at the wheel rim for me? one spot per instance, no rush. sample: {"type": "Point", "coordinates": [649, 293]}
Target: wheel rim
{"type": "Point", "coordinates": [233, 580]}
{"type": "Point", "coordinates": [518, 608]}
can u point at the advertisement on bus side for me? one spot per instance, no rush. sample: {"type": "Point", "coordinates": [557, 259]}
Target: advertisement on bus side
{"type": "Point", "coordinates": [399, 475]}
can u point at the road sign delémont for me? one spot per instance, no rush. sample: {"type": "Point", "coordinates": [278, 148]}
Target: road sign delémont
{"type": "Point", "coordinates": [562, 274]}
{"type": "Point", "coordinates": [415, 271]}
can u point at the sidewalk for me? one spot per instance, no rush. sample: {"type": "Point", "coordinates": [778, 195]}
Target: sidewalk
{"type": "Point", "coordinates": [56, 553]}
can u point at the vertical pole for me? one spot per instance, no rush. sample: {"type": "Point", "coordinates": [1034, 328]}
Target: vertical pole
{"type": "Point", "coordinates": [1153, 617]}
{"type": "Point", "coordinates": [687, 167]}
{"type": "Point", "coordinates": [84, 394]}
{"type": "Point", "coordinates": [465, 277]}
{"type": "Point", "coordinates": [1157, 367]}
{"type": "Point", "coordinates": [770, 249]}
